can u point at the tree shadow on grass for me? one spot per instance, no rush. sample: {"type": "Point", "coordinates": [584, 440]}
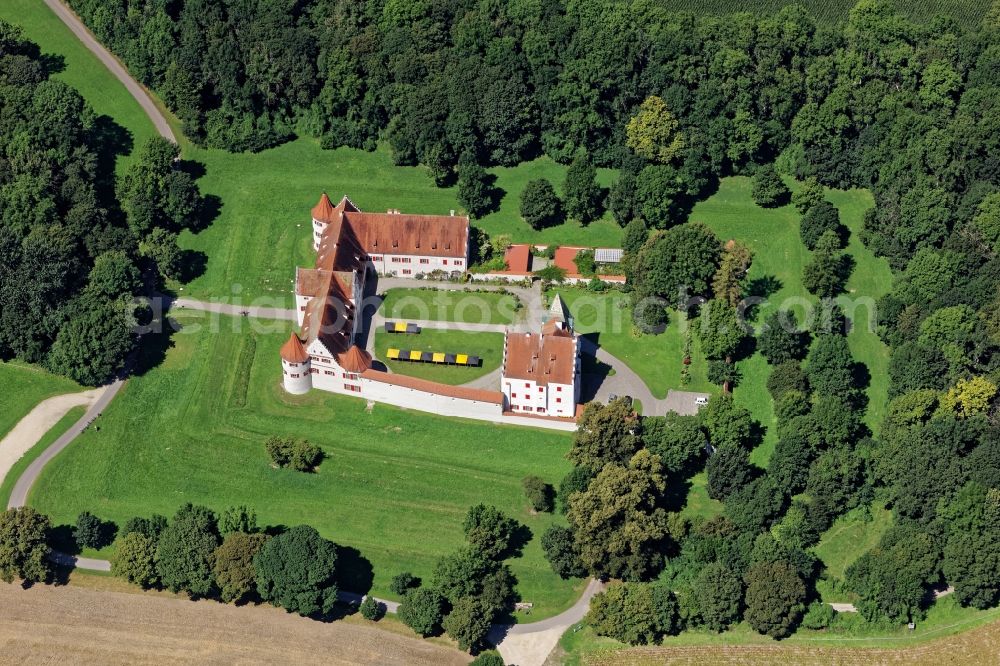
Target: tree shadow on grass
{"type": "Point", "coordinates": [61, 538]}
{"type": "Point", "coordinates": [155, 343]}
{"type": "Point", "coordinates": [354, 570]}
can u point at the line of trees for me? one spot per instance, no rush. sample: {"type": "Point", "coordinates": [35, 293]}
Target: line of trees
{"type": "Point", "coordinates": [78, 243]}
{"type": "Point", "coordinates": [472, 587]}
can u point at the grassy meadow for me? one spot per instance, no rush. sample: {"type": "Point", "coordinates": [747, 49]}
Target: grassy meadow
{"type": "Point", "coordinates": [24, 386]}
{"type": "Point", "coordinates": [81, 69]}
{"type": "Point", "coordinates": [395, 484]}
{"type": "Point", "coordinates": [477, 307]}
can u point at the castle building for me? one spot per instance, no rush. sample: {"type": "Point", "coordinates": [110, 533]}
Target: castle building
{"type": "Point", "coordinates": [349, 245]}
{"type": "Point", "coordinates": [541, 371]}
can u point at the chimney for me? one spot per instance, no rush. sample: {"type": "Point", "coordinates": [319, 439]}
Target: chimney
{"type": "Point", "coordinates": [452, 212]}
{"type": "Point", "coordinates": [388, 211]}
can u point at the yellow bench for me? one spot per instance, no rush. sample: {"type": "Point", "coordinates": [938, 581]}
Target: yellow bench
{"type": "Point", "coordinates": [393, 354]}
{"type": "Point", "coordinates": [462, 359]}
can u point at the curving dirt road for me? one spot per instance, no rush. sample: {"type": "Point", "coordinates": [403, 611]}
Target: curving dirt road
{"type": "Point", "coordinates": [81, 32]}
{"type": "Point", "coordinates": [36, 423]}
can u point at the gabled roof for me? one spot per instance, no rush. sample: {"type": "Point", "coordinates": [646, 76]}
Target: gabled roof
{"type": "Point", "coordinates": [540, 358]}
{"type": "Point", "coordinates": [293, 351]}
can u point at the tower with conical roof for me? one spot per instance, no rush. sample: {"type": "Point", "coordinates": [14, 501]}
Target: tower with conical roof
{"type": "Point", "coordinates": [296, 366]}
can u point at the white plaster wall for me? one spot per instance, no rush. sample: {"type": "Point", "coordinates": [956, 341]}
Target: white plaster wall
{"type": "Point", "coordinates": [401, 396]}
{"type": "Point", "coordinates": [386, 266]}
{"type": "Point", "coordinates": [296, 385]}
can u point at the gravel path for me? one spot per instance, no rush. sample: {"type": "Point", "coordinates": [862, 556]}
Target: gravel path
{"type": "Point", "coordinates": [81, 32]}
{"type": "Point", "coordinates": [19, 496]}
{"type": "Point", "coordinates": [36, 423]}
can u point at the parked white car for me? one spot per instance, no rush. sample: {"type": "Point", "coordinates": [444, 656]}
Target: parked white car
{"type": "Point", "coordinates": [701, 401]}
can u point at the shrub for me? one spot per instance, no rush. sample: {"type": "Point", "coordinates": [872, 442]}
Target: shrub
{"type": "Point", "coordinates": [371, 609]}
{"type": "Point", "coordinates": [238, 519]}
{"type": "Point", "coordinates": [148, 527]}
{"type": "Point", "coordinates": [767, 188]}
{"type": "Point", "coordinates": [818, 220]}
{"type": "Point", "coordinates": [299, 455]}
{"type": "Point", "coordinates": [403, 582]}
{"type": "Point", "coordinates": [540, 207]}
{"type": "Point", "coordinates": [818, 616]}
{"type": "Point", "coordinates": [488, 658]}
{"type": "Point", "coordinates": [560, 551]}
{"type": "Point", "coordinates": [540, 494]}
{"type": "Point", "coordinates": [422, 610]}
{"type": "Point", "coordinates": [92, 532]}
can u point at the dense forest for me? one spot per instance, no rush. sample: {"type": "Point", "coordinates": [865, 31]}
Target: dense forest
{"type": "Point", "coordinates": [75, 244]}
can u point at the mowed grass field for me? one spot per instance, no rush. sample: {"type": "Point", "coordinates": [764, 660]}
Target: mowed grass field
{"type": "Point", "coordinates": [487, 346]}
{"type": "Point", "coordinates": [395, 484]}
{"type": "Point", "coordinates": [82, 70]}
{"type": "Point", "coordinates": [776, 273]}
{"type": "Point", "coordinates": [17, 469]}
{"type": "Point", "coordinates": [607, 319]}
{"type": "Point", "coordinates": [263, 230]}
{"type": "Point", "coordinates": [476, 307]}
{"type": "Point", "coordinates": [968, 13]}
{"type": "Point", "coordinates": [24, 386]}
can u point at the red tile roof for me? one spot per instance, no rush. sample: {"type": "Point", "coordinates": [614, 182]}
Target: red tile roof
{"type": "Point", "coordinates": [355, 359]}
{"type": "Point", "coordinates": [293, 351]}
{"type": "Point", "coordinates": [540, 358]}
{"type": "Point", "coordinates": [460, 392]}
{"type": "Point", "coordinates": [518, 258]}
{"type": "Point", "coordinates": [564, 259]}
{"type": "Point", "coordinates": [323, 211]}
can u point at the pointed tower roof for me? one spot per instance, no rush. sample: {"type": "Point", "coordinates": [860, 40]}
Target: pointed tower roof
{"type": "Point", "coordinates": [558, 310]}
{"type": "Point", "coordinates": [293, 351]}
{"type": "Point", "coordinates": [355, 359]}
{"type": "Point", "coordinates": [323, 211]}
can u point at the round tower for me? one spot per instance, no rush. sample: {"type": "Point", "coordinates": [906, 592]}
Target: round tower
{"type": "Point", "coordinates": [295, 366]}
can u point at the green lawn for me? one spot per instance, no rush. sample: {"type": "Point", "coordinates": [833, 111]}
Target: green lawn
{"type": "Point", "coordinates": [395, 484]}
{"type": "Point", "coordinates": [82, 70]}
{"type": "Point", "coordinates": [477, 307]}
{"type": "Point", "coordinates": [71, 417]}
{"type": "Point", "coordinates": [487, 346]}
{"type": "Point", "coordinates": [579, 645]}
{"type": "Point", "coordinates": [606, 318]}
{"type": "Point", "coordinates": [776, 272]}
{"type": "Point", "coordinates": [24, 387]}
{"type": "Point", "coordinates": [604, 232]}
{"type": "Point", "coordinates": [850, 536]}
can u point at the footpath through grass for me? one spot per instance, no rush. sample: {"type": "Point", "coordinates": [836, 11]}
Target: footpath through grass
{"type": "Point", "coordinates": [82, 70]}
{"type": "Point", "coordinates": [487, 346]}
{"type": "Point", "coordinates": [476, 307]}
{"type": "Point", "coordinates": [24, 386]}
{"type": "Point", "coordinates": [395, 484]}
{"type": "Point", "coordinates": [64, 424]}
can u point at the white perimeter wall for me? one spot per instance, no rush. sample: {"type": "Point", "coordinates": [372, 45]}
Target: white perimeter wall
{"type": "Point", "coordinates": [401, 396]}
